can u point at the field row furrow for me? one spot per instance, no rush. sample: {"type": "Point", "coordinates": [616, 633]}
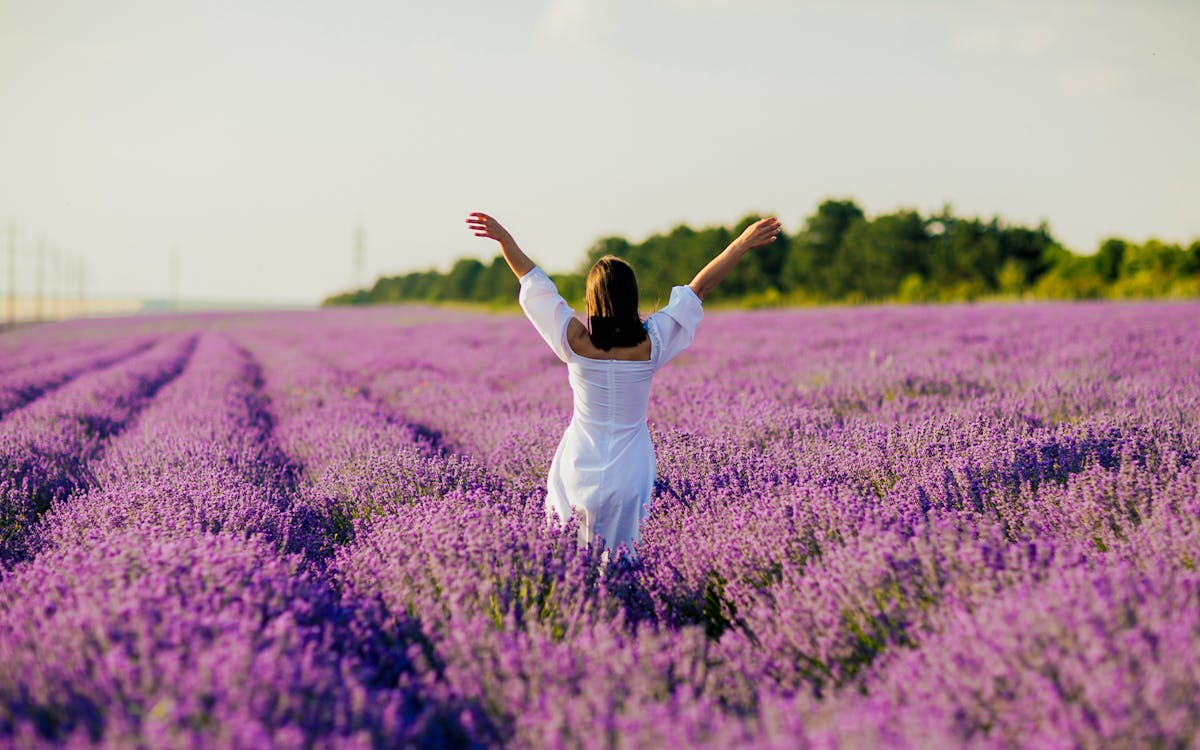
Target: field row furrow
{"type": "Point", "coordinates": [14, 358]}
{"type": "Point", "coordinates": [28, 384]}
{"type": "Point", "coordinates": [359, 459]}
{"type": "Point", "coordinates": [18, 351]}
{"type": "Point", "coordinates": [199, 458]}
{"type": "Point", "coordinates": [455, 379]}
{"type": "Point", "coordinates": [47, 447]}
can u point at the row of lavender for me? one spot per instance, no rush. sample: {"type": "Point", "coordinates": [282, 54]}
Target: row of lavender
{"type": "Point", "coordinates": [914, 526]}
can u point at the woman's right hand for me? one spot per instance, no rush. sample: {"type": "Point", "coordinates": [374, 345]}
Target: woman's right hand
{"type": "Point", "coordinates": [761, 232]}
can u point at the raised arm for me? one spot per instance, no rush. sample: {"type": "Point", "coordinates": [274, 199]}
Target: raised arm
{"type": "Point", "coordinates": [761, 232]}
{"type": "Point", "coordinates": [485, 226]}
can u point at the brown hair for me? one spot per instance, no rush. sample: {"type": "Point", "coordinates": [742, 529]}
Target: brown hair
{"type": "Point", "coordinates": [612, 304]}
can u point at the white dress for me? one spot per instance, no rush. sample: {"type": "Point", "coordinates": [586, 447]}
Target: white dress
{"type": "Point", "coordinates": [603, 471]}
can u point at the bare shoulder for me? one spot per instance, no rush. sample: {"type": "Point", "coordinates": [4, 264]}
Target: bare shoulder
{"type": "Point", "coordinates": [578, 338]}
{"type": "Point", "coordinates": [580, 342]}
{"type": "Point", "coordinates": [577, 333]}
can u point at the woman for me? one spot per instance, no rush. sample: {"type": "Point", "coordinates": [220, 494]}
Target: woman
{"type": "Point", "coordinates": [603, 471]}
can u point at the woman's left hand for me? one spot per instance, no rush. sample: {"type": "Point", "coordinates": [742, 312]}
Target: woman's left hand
{"type": "Point", "coordinates": [485, 226]}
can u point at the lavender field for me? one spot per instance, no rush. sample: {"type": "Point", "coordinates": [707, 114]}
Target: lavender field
{"type": "Point", "coordinates": [954, 526]}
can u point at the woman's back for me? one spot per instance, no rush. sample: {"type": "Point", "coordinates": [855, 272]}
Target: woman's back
{"type": "Point", "coordinates": [610, 392]}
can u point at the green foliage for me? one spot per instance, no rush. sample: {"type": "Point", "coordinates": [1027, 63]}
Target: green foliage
{"type": "Point", "coordinates": [460, 282]}
{"type": "Point", "coordinates": [1158, 269]}
{"type": "Point", "coordinates": [875, 256]}
{"type": "Point", "coordinates": [842, 255]}
{"type": "Point", "coordinates": [814, 250]}
{"type": "Point", "coordinates": [1010, 279]}
{"type": "Point", "coordinates": [710, 607]}
{"type": "Point", "coordinates": [1070, 277]}
{"type": "Point", "coordinates": [913, 289]}
{"type": "Point", "coordinates": [1109, 258]}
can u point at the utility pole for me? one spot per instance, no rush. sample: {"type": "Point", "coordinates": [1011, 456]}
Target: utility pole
{"type": "Point", "coordinates": [360, 255]}
{"type": "Point", "coordinates": [56, 287]}
{"type": "Point", "coordinates": [64, 283]}
{"type": "Point", "coordinates": [12, 273]}
{"type": "Point", "coordinates": [70, 271]}
{"type": "Point", "coordinates": [81, 273]}
{"type": "Point", "coordinates": [175, 279]}
{"type": "Point", "coordinates": [40, 280]}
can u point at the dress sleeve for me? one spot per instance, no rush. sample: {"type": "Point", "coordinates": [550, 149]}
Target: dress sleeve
{"type": "Point", "coordinates": [547, 310]}
{"type": "Point", "coordinates": [671, 329]}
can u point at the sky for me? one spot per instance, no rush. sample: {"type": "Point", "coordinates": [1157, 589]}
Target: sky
{"type": "Point", "coordinates": [250, 140]}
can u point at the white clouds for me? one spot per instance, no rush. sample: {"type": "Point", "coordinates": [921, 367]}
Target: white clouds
{"type": "Point", "coordinates": [1076, 76]}
{"type": "Point", "coordinates": [567, 21]}
{"type": "Point", "coordinates": [1077, 61]}
{"type": "Point", "coordinates": [1034, 40]}
{"type": "Point", "coordinates": [1026, 41]}
{"type": "Point", "coordinates": [1090, 79]}
{"type": "Point", "coordinates": [978, 40]}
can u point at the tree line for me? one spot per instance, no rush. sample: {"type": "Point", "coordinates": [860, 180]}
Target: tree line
{"type": "Point", "coordinates": [843, 256]}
